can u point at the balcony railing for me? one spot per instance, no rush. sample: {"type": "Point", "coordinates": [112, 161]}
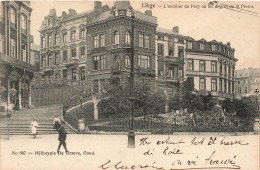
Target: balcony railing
{"type": "Point", "coordinates": [115, 70]}
{"type": "Point", "coordinates": [175, 59]}
{"type": "Point", "coordinates": [145, 71]}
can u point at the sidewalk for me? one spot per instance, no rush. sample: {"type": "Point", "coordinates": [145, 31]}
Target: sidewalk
{"type": "Point", "coordinates": [90, 151]}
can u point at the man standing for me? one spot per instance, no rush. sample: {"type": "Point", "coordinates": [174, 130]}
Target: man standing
{"type": "Point", "coordinates": [62, 137]}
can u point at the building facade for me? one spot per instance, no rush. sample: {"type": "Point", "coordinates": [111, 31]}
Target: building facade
{"type": "Point", "coordinates": [247, 81]}
{"type": "Point", "coordinates": [212, 67]}
{"type": "Point", "coordinates": [94, 47]}
{"type": "Point", "coordinates": [170, 53]}
{"type": "Point", "coordinates": [109, 46]}
{"type": "Point", "coordinates": [63, 45]}
{"type": "Point", "coordinates": [15, 39]}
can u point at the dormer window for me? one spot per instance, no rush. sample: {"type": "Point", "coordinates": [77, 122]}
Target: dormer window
{"type": "Point", "coordinates": [189, 45]}
{"type": "Point", "coordinates": [201, 46]}
{"type": "Point", "coordinates": [213, 47]}
{"type": "Point", "coordinates": [115, 12]}
{"type": "Point", "coordinates": [128, 12]}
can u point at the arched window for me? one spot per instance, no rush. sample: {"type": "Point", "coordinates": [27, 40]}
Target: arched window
{"type": "Point", "coordinates": [116, 37]}
{"type": "Point", "coordinates": [127, 37]}
{"type": "Point", "coordinates": [13, 16]}
{"type": "Point", "coordinates": [127, 61]}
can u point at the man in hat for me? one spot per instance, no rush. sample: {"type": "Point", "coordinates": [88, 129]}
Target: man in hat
{"type": "Point", "coordinates": [62, 137]}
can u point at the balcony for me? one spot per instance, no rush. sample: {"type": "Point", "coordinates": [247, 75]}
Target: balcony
{"type": "Point", "coordinates": [147, 71]}
{"type": "Point", "coordinates": [16, 62]}
{"type": "Point", "coordinates": [71, 62]}
{"type": "Point", "coordinates": [173, 59]}
{"type": "Point", "coordinates": [202, 73]}
{"type": "Point", "coordinates": [174, 79]}
{"type": "Point", "coordinates": [115, 70]}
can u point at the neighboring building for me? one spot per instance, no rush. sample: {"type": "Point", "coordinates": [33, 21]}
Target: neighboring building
{"type": "Point", "coordinates": [35, 56]}
{"type": "Point", "coordinates": [63, 44]}
{"type": "Point", "coordinates": [212, 66]}
{"type": "Point", "coordinates": [109, 46]}
{"type": "Point", "coordinates": [170, 54]}
{"type": "Point", "coordinates": [15, 39]}
{"type": "Point", "coordinates": [247, 81]}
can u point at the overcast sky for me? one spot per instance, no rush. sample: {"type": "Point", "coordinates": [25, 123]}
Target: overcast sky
{"type": "Point", "coordinates": [241, 30]}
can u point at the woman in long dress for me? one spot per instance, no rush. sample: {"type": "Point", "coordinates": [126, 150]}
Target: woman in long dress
{"type": "Point", "coordinates": [33, 127]}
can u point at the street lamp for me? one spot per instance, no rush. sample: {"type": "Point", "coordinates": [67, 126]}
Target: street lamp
{"type": "Point", "coordinates": [131, 134]}
{"type": "Point", "coordinates": [256, 93]}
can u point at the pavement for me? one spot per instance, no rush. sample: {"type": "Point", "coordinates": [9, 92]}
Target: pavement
{"type": "Point", "coordinates": [92, 151]}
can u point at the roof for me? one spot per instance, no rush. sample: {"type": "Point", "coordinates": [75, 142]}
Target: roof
{"type": "Point", "coordinates": [122, 4]}
{"type": "Point", "coordinates": [102, 16]}
{"type": "Point", "coordinates": [144, 17]}
{"type": "Point", "coordinates": [166, 30]}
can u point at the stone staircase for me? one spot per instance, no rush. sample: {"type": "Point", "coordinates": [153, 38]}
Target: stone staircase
{"type": "Point", "coordinates": [19, 123]}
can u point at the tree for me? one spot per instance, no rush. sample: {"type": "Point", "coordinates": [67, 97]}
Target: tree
{"type": "Point", "coordinates": [208, 101]}
{"type": "Point", "coordinates": [188, 87]}
{"type": "Point", "coordinates": [228, 105]}
{"type": "Point", "coordinates": [246, 107]}
{"type": "Point", "coordinates": [196, 103]}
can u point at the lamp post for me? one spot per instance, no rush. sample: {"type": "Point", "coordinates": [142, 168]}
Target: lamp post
{"type": "Point", "coordinates": [256, 93]}
{"type": "Point", "coordinates": [131, 134]}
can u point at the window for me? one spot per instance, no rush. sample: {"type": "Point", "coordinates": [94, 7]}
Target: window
{"type": "Point", "coordinates": [225, 86]}
{"type": "Point", "coordinates": [128, 12]}
{"type": "Point", "coordinates": [95, 63]}
{"type": "Point", "coordinates": [160, 49]}
{"type": "Point", "coordinates": [1, 42]}
{"type": "Point", "coordinates": [43, 61]}
{"type": "Point", "coordinates": [170, 52]}
{"type": "Point", "coordinates": [229, 87]}
{"type": "Point", "coordinates": [160, 70]}
{"type": "Point", "coordinates": [103, 61]}
{"type": "Point", "coordinates": [56, 39]}
{"type": "Point", "coordinates": [116, 37]}
{"type": "Point", "coordinates": [57, 58]}
{"type": "Point", "coordinates": [233, 72]}
{"type": "Point", "coordinates": [49, 44]}
{"type": "Point", "coordinates": [202, 65]}
{"type": "Point", "coordinates": [49, 59]}
{"type": "Point", "coordinates": [160, 37]}
{"type": "Point", "coordinates": [73, 74]}
{"type": "Point", "coordinates": [24, 55]}
{"type": "Point", "coordinates": [127, 37]}
{"type": "Point", "coordinates": [141, 40]}
{"type": "Point", "coordinates": [171, 70]}
{"type": "Point", "coordinates": [95, 86]}
{"type": "Point", "coordinates": [1, 11]}
{"type": "Point", "coordinates": [202, 84]}
{"type": "Point", "coordinates": [147, 41]}
{"type": "Point", "coordinates": [180, 72]}
{"type": "Point", "coordinates": [220, 85]}
{"type": "Point", "coordinates": [246, 90]}
{"type": "Point", "coordinates": [238, 82]}
{"type": "Point", "coordinates": [213, 47]}
{"type": "Point", "coordinates": [115, 12]}
{"type": "Point", "coordinates": [213, 84]}
{"type": "Point", "coordinates": [180, 54]}
{"type": "Point", "coordinates": [13, 48]}
{"type": "Point", "coordinates": [65, 74]}
{"type": "Point", "coordinates": [13, 16]}
{"type": "Point", "coordinates": [213, 66]}
{"type": "Point", "coordinates": [82, 73]}
{"type": "Point", "coordinates": [220, 67]}
{"type": "Point", "coordinates": [144, 61]}
{"type": "Point", "coordinates": [201, 46]}
{"type": "Point", "coordinates": [82, 52]}
{"type": "Point", "coordinates": [189, 45]}
{"type": "Point", "coordinates": [43, 42]}
{"type": "Point", "coordinates": [102, 84]}
{"type": "Point", "coordinates": [116, 62]}
{"type": "Point", "coordinates": [65, 57]}
{"type": "Point", "coordinates": [190, 65]}
{"type": "Point", "coordinates": [102, 40]}
{"type": "Point", "coordinates": [127, 61]}
{"type": "Point", "coordinates": [65, 37]}
{"type": "Point", "coordinates": [225, 69]}
{"type": "Point", "coordinates": [24, 23]}
{"type": "Point", "coordinates": [229, 70]}
{"type": "Point", "coordinates": [95, 41]}
{"type": "Point", "coordinates": [82, 32]}
{"type": "Point", "coordinates": [73, 53]}
{"type": "Point", "coordinates": [73, 35]}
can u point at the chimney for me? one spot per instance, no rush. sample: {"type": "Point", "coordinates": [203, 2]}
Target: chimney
{"type": "Point", "coordinates": [64, 13]}
{"type": "Point", "coordinates": [148, 12]}
{"type": "Point", "coordinates": [97, 5]}
{"type": "Point", "coordinates": [176, 29]}
{"type": "Point", "coordinates": [228, 44]}
{"type": "Point", "coordinates": [72, 12]}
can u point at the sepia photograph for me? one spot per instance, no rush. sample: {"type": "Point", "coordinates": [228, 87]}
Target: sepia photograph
{"type": "Point", "coordinates": [120, 84]}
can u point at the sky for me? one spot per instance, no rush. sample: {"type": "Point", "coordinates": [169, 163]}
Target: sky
{"type": "Point", "coordinates": [223, 25]}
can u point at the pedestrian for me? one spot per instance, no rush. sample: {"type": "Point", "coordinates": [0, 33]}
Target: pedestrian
{"type": "Point", "coordinates": [33, 127]}
{"type": "Point", "coordinates": [62, 137]}
{"type": "Point", "coordinates": [56, 122]}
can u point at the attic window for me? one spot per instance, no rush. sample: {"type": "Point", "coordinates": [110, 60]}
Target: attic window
{"type": "Point", "coordinates": [128, 12]}
{"type": "Point", "coordinates": [115, 12]}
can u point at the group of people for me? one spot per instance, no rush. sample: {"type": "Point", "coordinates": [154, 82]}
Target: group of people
{"type": "Point", "coordinates": [58, 126]}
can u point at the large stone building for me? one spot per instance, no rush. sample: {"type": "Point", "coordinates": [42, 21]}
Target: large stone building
{"type": "Point", "coordinates": [63, 44]}
{"type": "Point", "coordinates": [247, 81]}
{"type": "Point", "coordinates": [212, 66]}
{"type": "Point", "coordinates": [15, 39]}
{"type": "Point", "coordinates": [109, 46]}
{"type": "Point", "coordinates": [95, 48]}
